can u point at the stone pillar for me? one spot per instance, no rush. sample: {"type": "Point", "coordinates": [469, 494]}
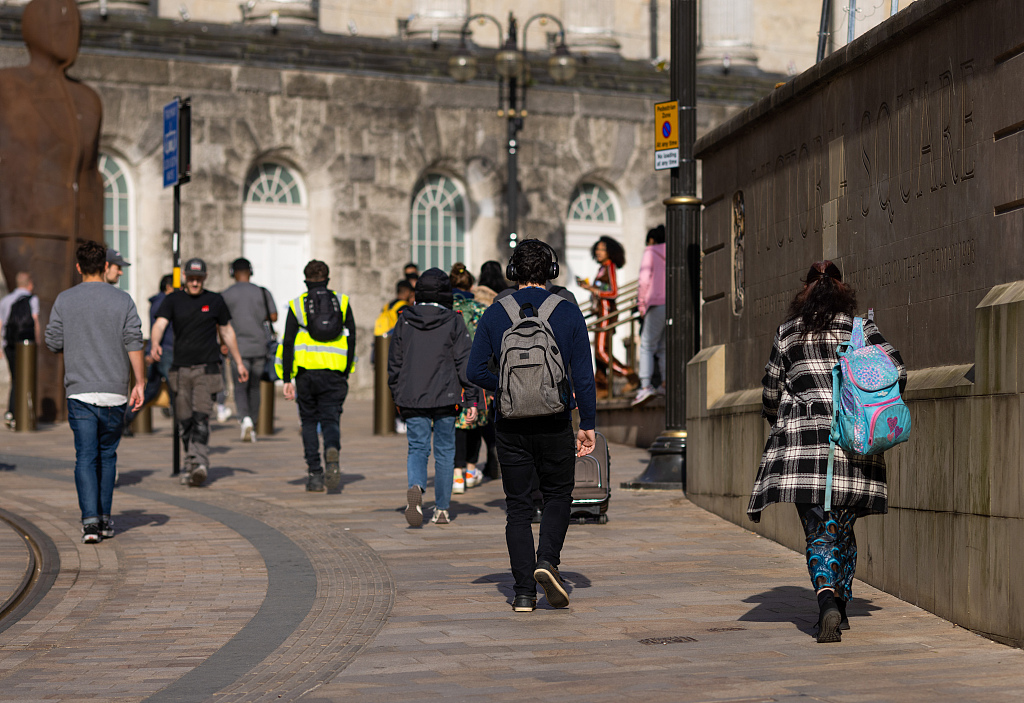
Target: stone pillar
{"type": "Point", "coordinates": [437, 19]}
{"type": "Point", "coordinates": [275, 12]}
{"type": "Point", "coordinates": [589, 26]}
{"type": "Point", "coordinates": [726, 36]}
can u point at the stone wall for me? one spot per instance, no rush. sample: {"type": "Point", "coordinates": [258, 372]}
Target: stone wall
{"type": "Point", "coordinates": [897, 157]}
{"type": "Point", "coordinates": [360, 142]}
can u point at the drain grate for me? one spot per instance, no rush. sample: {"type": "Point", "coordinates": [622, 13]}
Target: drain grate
{"type": "Point", "coordinates": [726, 629]}
{"type": "Point", "coordinates": [667, 640]}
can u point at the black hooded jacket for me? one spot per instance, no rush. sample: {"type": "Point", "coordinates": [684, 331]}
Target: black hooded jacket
{"type": "Point", "coordinates": [427, 361]}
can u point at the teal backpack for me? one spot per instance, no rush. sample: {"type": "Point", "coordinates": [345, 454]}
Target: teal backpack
{"type": "Point", "coordinates": [868, 414]}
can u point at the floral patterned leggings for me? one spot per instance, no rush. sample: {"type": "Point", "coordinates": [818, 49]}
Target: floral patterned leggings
{"type": "Point", "coordinates": [831, 547]}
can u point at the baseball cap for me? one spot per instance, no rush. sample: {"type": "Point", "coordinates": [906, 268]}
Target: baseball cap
{"type": "Point", "coordinates": [114, 258]}
{"type": "Point", "coordinates": [240, 265]}
{"type": "Point", "coordinates": [195, 267]}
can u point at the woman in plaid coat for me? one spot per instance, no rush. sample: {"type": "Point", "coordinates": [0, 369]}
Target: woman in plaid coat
{"type": "Point", "coordinates": [797, 402]}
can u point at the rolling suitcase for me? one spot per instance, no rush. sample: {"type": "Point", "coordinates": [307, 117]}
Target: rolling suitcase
{"type": "Point", "coordinates": [593, 487]}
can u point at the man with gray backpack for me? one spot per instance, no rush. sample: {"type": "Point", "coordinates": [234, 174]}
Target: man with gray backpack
{"type": "Point", "coordinates": [543, 364]}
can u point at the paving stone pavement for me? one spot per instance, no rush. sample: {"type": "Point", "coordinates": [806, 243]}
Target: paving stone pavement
{"type": "Point", "coordinates": [364, 608]}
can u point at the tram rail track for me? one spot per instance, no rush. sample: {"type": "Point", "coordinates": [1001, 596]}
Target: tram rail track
{"type": "Point", "coordinates": [40, 573]}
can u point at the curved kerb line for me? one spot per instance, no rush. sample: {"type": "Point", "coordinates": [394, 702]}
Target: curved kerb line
{"type": "Point", "coordinates": [291, 591]}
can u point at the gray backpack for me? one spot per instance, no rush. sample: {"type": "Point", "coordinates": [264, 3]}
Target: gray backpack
{"type": "Point", "coordinates": [531, 377]}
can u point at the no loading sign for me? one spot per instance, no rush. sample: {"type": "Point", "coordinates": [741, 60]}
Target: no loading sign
{"type": "Point", "coordinates": [666, 136]}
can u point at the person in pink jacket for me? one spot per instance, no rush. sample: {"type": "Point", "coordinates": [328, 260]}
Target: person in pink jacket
{"type": "Point", "coordinates": [652, 307]}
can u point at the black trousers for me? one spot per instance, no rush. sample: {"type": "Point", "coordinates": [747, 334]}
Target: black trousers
{"type": "Point", "coordinates": [551, 456]}
{"type": "Point", "coordinates": [467, 446]}
{"type": "Point", "coordinates": [321, 395]}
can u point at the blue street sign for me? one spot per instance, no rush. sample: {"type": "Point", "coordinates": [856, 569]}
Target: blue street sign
{"type": "Point", "coordinates": [171, 143]}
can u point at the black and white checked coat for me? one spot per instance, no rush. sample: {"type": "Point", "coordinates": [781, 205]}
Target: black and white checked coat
{"type": "Point", "coordinates": [797, 402]}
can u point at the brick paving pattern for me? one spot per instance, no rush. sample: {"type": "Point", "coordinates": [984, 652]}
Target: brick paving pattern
{"type": "Point", "coordinates": [416, 614]}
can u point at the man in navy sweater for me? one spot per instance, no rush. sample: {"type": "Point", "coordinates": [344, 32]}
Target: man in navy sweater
{"type": "Point", "coordinates": [541, 444]}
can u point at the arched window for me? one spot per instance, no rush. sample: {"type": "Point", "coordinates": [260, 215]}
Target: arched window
{"type": "Point", "coordinates": [591, 203]}
{"type": "Point", "coordinates": [116, 213]}
{"type": "Point", "coordinates": [275, 232]}
{"type": "Point", "coordinates": [438, 226]}
{"type": "Point", "coordinates": [272, 183]}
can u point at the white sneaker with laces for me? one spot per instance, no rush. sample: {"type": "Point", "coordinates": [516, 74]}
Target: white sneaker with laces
{"type": "Point", "coordinates": [440, 517]}
{"type": "Point", "coordinates": [248, 433]}
{"type": "Point", "coordinates": [643, 395]}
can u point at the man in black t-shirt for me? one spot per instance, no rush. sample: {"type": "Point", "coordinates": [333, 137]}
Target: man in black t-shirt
{"type": "Point", "coordinates": [197, 316]}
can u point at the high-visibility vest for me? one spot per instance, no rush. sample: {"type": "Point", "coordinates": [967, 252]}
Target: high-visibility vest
{"type": "Point", "coordinates": [308, 352]}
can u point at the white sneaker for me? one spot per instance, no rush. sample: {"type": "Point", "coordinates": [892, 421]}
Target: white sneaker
{"type": "Point", "coordinates": [224, 413]}
{"type": "Point", "coordinates": [458, 483]}
{"type": "Point", "coordinates": [440, 517]}
{"type": "Point", "coordinates": [248, 433]}
{"type": "Point", "coordinates": [474, 477]}
{"type": "Point", "coordinates": [644, 394]}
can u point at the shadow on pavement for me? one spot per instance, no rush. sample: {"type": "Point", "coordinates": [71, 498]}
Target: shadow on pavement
{"type": "Point", "coordinates": [7, 467]}
{"type": "Point", "coordinates": [218, 472]}
{"type": "Point", "coordinates": [797, 605]}
{"type": "Point", "coordinates": [504, 583]}
{"type": "Point", "coordinates": [131, 478]}
{"type": "Point", "coordinates": [129, 519]}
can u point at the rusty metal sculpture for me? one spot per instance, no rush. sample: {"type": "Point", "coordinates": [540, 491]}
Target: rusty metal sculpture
{"type": "Point", "coordinates": [51, 193]}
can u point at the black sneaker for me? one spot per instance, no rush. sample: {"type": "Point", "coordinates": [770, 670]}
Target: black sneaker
{"type": "Point", "coordinates": [828, 620]}
{"type": "Point", "coordinates": [315, 482]}
{"type": "Point", "coordinates": [333, 470]}
{"type": "Point", "coordinates": [91, 533]}
{"type": "Point", "coordinates": [524, 604]}
{"type": "Point", "coordinates": [107, 528]}
{"type": "Point", "coordinates": [844, 622]}
{"type": "Point", "coordinates": [551, 581]}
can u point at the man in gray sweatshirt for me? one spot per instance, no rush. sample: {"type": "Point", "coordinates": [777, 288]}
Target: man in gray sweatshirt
{"type": "Point", "coordinates": [97, 328]}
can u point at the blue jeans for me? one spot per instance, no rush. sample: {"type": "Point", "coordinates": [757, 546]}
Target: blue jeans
{"type": "Point", "coordinates": [418, 431]}
{"type": "Point", "coordinates": [652, 342]}
{"type": "Point", "coordinates": [97, 433]}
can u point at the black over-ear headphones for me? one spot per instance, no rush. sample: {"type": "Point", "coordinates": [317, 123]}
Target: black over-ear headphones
{"type": "Point", "coordinates": [512, 272]}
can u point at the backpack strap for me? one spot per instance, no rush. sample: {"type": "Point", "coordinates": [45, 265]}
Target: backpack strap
{"type": "Point", "coordinates": [511, 307]}
{"type": "Point", "coordinates": [548, 306]}
{"type": "Point", "coordinates": [857, 335]}
{"type": "Point", "coordinates": [832, 435]}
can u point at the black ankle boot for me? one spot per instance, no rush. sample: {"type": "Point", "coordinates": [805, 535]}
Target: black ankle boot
{"type": "Point", "coordinates": [844, 623]}
{"type": "Point", "coordinates": [828, 618]}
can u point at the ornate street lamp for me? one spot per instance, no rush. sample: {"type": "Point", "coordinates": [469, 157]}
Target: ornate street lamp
{"type": "Point", "coordinates": [511, 66]}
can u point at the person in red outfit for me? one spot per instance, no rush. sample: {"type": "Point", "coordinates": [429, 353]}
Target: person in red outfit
{"type": "Point", "coordinates": [610, 256]}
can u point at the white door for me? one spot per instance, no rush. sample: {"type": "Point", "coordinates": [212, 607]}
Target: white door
{"type": "Point", "coordinates": [275, 234]}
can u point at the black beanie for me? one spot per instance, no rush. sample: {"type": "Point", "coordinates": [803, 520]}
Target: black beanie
{"type": "Point", "coordinates": [434, 286]}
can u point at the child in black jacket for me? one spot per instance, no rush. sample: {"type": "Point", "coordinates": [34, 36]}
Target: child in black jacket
{"type": "Point", "coordinates": [427, 361]}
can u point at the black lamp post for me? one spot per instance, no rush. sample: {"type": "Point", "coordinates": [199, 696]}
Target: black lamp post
{"type": "Point", "coordinates": [667, 467]}
{"type": "Point", "coordinates": [510, 64]}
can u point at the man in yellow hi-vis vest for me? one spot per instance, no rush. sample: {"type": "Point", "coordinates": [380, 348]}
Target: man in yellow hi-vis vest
{"type": "Point", "coordinates": [314, 360]}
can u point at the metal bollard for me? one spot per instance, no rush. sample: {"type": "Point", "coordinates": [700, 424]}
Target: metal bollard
{"type": "Point", "coordinates": [383, 405]}
{"type": "Point", "coordinates": [265, 421]}
{"type": "Point", "coordinates": [142, 423]}
{"type": "Point", "coordinates": [25, 387]}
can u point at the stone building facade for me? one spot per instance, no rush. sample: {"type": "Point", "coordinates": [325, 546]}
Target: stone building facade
{"type": "Point", "coordinates": [360, 152]}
